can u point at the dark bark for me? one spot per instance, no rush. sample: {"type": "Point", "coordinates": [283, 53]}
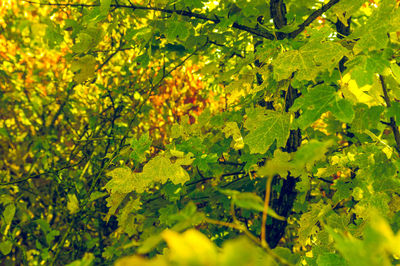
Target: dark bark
{"type": "Point", "coordinates": [343, 31]}
{"type": "Point", "coordinates": [282, 203]}
{"type": "Point", "coordinates": [278, 15]}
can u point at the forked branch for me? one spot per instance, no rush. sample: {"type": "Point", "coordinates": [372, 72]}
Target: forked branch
{"type": "Point", "coordinates": [257, 31]}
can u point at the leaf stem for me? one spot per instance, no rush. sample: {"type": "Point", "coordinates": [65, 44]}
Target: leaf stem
{"type": "Point", "coordinates": [265, 211]}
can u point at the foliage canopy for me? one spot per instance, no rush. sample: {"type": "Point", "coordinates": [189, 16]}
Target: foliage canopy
{"type": "Point", "coordinates": [200, 133]}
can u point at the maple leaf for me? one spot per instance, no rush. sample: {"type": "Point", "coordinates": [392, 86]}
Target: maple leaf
{"type": "Point", "coordinates": [308, 221]}
{"type": "Point", "coordinates": [232, 129]}
{"type": "Point", "coordinates": [160, 169]}
{"type": "Point", "coordinates": [265, 127]}
{"type": "Point", "coordinates": [123, 180]}
{"type": "Point", "coordinates": [313, 104]}
{"type": "Point", "coordinates": [311, 59]}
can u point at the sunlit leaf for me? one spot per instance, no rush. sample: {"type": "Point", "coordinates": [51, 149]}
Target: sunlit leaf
{"type": "Point", "coordinates": [72, 204]}
{"type": "Point", "coordinates": [190, 247]}
{"type": "Point", "coordinates": [6, 247]}
{"type": "Point", "coordinates": [83, 68]}
{"type": "Point", "coordinates": [232, 129]}
{"type": "Point", "coordinates": [160, 169]}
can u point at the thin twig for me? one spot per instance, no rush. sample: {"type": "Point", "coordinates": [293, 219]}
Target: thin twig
{"type": "Point", "coordinates": [61, 243]}
{"type": "Point", "coordinates": [38, 175]}
{"type": "Point", "coordinates": [60, 109]}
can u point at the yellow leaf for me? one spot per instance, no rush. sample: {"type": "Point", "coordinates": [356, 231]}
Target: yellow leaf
{"type": "Point", "coordinates": [72, 204]}
{"type": "Point", "coordinates": [190, 247]}
{"type": "Point", "coordinates": [83, 68]}
{"type": "Point", "coordinates": [367, 94]}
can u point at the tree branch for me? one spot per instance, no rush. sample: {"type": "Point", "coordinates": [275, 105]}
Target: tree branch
{"type": "Point", "coordinates": [39, 175]}
{"type": "Point", "coordinates": [311, 18]}
{"type": "Point", "coordinates": [392, 122]}
{"type": "Point", "coordinates": [257, 31]}
{"type": "Point", "coordinates": [62, 105]}
{"type": "Point", "coordinates": [278, 13]}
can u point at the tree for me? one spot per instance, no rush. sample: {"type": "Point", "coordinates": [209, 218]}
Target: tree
{"type": "Point", "coordinates": [282, 148]}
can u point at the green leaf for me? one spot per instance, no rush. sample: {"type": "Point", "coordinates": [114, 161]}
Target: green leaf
{"type": "Point", "coordinates": [72, 204]}
{"type": "Point", "coordinates": [311, 59]}
{"type": "Point", "coordinates": [251, 201]}
{"type": "Point", "coordinates": [177, 30]}
{"type": "Point", "coordinates": [311, 152]}
{"type": "Point", "coordinates": [378, 201]}
{"type": "Point", "coordinates": [140, 148]}
{"type": "Point", "coordinates": [6, 247]}
{"type": "Point", "coordinates": [113, 202]}
{"type": "Point", "coordinates": [394, 111]}
{"type": "Point", "coordinates": [232, 129]}
{"type": "Point", "coordinates": [188, 217]}
{"type": "Point", "coordinates": [44, 225]}
{"type": "Point", "coordinates": [98, 13]}
{"type": "Point", "coordinates": [396, 71]}
{"type": "Point", "coordinates": [245, 200]}
{"type": "Point", "coordinates": [287, 254]}
{"type": "Point", "coordinates": [53, 35]}
{"type": "Point", "coordinates": [105, 5]}
{"type": "Point", "coordinates": [265, 127]}
{"type": "Point", "coordinates": [313, 104]}
{"type": "Point", "coordinates": [83, 68]}
{"type": "Point", "coordinates": [181, 158]}
{"type": "Point", "coordinates": [128, 218]}
{"type": "Point", "coordinates": [342, 109]}
{"type": "Point", "coordinates": [343, 10]}
{"type": "Point", "coordinates": [84, 43]}
{"type": "Point", "coordinates": [8, 213]}
{"type": "Point", "coordinates": [373, 34]}
{"type": "Point", "coordinates": [3, 132]}
{"type": "Point", "coordinates": [97, 195]}
{"type": "Point", "coordinates": [308, 221]}
{"type": "Point", "coordinates": [165, 214]}
{"type": "Point", "coordinates": [88, 39]}
{"type": "Point", "coordinates": [149, 244]}
{"type": "Point", "coordinates": [343, 190]}
{"type": "Point", "coordinates": [249, 254]}
{"type": "Point", "coordinates": [279, 164]}
{"type": "Point", "coordinates": [330, 259]}
{"type": "Point", "coordinates": [159, 169]}
{"type": "Point", "coordinates": [378, 243]}
{"type": "Point", "coordinates": [366, 118]}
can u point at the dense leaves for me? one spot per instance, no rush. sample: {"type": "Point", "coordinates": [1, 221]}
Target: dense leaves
{"type": "Point", "coordinates": [200, 133]}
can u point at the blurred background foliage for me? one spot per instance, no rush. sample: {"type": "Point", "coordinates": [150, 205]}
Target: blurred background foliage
{"type": "Point", "coordinates": [135, 136]}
